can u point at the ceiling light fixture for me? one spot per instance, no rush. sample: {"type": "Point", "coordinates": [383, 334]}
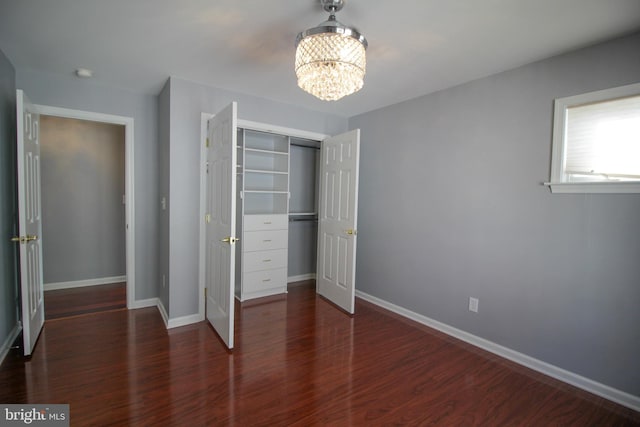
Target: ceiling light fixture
{"type": "Point", "coordinates": [330, 58]}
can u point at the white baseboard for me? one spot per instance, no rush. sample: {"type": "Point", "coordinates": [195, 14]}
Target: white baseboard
{"type": "Point", "coordinates": [301, 277]}
{"type": "Point", "coordinates": [599, 389]}
{"type": "Point", "coordinates": [83, 283]}
{"type": "Point", "coordinates": [184, 321]}
{"type": "Point", "coordinates": [6, 345]}
{"type": "Point", "coordinates": [178, 321]}
{"type": "Point", "coordinates": [144, 303]}
{"type": "Point", "coordinates": [163, 312]}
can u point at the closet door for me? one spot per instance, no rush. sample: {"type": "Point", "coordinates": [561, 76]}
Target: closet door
{"type": "Point", "coordinates": [338, 219]}
{"type": "Point", "coordinates": [221, 222]}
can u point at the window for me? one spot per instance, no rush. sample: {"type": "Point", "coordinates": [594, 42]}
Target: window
{"type": "Point", "coordinates": [596, 142]}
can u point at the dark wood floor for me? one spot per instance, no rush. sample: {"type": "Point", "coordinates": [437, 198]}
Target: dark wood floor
{"type": "Point", "coordinates": [298, 361]}
{"type": "Point", "coordinates": [89, 299]}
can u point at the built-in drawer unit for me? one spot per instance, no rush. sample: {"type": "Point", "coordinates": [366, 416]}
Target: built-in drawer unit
{"type": "Point", "coordinates": [265, 240]}
{"type": "Point", "coordinates": [263, 214]}
{"type": "Point", "coordinates": [261, 281]}
{"type": "Point", "coordinates": [265, 222]}
{"type": "Point", "coordinates": [265, 260]}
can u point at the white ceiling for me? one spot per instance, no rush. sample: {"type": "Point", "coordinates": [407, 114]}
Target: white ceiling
{"type": "Point", "coordinates": [415, 47]}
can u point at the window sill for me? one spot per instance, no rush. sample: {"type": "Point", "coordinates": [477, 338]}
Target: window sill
{"type": "Point", "coordinates": [594, 187]}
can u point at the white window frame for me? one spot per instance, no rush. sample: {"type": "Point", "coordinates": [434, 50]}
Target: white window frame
{"type": "Point", "coordinates": [558, 182]}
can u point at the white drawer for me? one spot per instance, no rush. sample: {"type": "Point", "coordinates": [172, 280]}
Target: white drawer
{"type": "Point", "coordinates": [264, 260]}
{"type": "Point", "coordinates": [257, 281]}
{"type": "Point", "coordinates": [265, 240]}
{"type": "Point", "coordinates": [265, 222]}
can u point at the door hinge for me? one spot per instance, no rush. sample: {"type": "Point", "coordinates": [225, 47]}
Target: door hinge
{"type": "Point", "coordinates": [207, 218]}
{"type": "Point", "coordinates": [206, 144]}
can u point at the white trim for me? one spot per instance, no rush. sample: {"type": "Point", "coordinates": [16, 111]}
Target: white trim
{"type": "Point", "coordinates": [281, 130]}
{"type": "Point", "coordinates": [82, 283]}
{"type": "Point", "coordinates": [130, 216]}
{"type": "Point", "coordinates": [557, 183]}
{"type": "Point", "coordinates": [6, 345]}
{"type": "Point", "coordinates": [553, 371]}
{"type": "Point", "coordinates": [184, 321]}
{"type": "Point", "coordinates": [204, 119]}
{"type": "Point", "coordinates": [301, 277]}
{"type": "Point", "coordinates": [163, 312]}
{"type": "Point", "coordinates": [594, 187]}
{"type": "Point", "coordinates": [144, 303]}
{"type": "Point", "coordinates": [178, 321]}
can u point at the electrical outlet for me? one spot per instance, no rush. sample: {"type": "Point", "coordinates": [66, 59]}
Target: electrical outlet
{"type": "Point", "coordinates": [473, 304]}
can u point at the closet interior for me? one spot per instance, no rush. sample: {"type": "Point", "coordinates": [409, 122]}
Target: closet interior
{"type": "Point", "coordinates": [277, 212]}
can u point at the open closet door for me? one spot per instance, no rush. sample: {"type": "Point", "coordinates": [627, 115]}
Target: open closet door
{"type": "Point", "coordinates": [221, 222]}
{"type": "Point", "coordinates": [338, 219]}
{"type": "Point", "coordinates": [29, 222]}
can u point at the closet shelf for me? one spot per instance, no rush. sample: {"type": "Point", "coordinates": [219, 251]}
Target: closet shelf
{"type": "Point", "coordinates": [264, 202]}
{"type": "Point", "coordinates": [266, 192]}
{"type": "Point", "coordinates": [271, 172]}
{"type": "Point", "coordinates": [259, 150]}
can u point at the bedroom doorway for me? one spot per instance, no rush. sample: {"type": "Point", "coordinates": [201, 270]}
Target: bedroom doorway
{"type": "Point", "coordinates": [88, 211]}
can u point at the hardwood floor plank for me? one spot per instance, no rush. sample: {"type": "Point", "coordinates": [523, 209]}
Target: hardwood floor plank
{"type": "Point", "coordinates": [89, 299]}
{"type": "Point", "coordinates": [298, 361]}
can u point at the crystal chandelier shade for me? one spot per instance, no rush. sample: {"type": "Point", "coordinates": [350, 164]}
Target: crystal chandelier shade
{"type": "Point", "coordinates": [330, 58]}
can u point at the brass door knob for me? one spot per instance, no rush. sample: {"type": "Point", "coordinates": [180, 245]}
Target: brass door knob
{"type": "Point", "coordinates": [230, 240]}
{"type": "Point", "coordinates": [21, 239]}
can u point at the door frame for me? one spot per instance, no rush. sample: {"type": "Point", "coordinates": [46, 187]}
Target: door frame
{"type": "Point", "coordinates": [127, 122]}
{"type": "Point", "coordinates": [244, 124]}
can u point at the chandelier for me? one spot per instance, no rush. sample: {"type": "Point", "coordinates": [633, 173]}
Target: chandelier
{"type": "Point", "coordinates": [330, 58]}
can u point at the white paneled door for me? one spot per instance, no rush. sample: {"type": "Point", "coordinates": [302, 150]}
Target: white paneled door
{"type": "Point", "coordinates": [29, 222]}
{"type": "Point", "coordinates": [338, 219]}
{"type": "Point", "coordinates": [221, 222]}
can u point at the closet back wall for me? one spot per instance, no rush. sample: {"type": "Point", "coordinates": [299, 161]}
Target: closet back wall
{"type": "Point", "coordinates": [303, 230]}
{"type": "Point", "coordinates": [83, 223]}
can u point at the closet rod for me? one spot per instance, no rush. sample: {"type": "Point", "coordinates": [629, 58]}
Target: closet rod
{"type": "Point", "coordinates": [303, 219]}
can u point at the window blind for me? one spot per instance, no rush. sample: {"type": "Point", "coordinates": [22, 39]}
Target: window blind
{"type": "Point", "coordinates": [603, 139]}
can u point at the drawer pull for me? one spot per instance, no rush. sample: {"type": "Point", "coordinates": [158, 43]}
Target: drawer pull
{"type": "Point", "coordinates": [267, 240]}
{"type": "Point", "coordinates": [267, 222]}
{"type": "Point", "coordinates": [266, 280]}
{"type": "Point", "coordinates": [266, 260]}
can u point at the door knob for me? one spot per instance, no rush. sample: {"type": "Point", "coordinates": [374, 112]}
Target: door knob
{"type": "Point", "coordinates": [230, 240]}
{"type": "Point", "coordinates": [26, 239]}
{"type": "Point", "coordinates": [351, 232]}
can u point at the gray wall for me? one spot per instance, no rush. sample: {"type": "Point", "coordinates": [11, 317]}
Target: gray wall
{"type": "Point", "coordinates": [188, 100]}
{"type": "Point", "coordinates": [83, 217]}
{"type": "Point", "coordinates": [68, 91]}
{"type": "Point", "coordinates": [452, 206]}
{"type": "Point", "coordinates": [8, 206]}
